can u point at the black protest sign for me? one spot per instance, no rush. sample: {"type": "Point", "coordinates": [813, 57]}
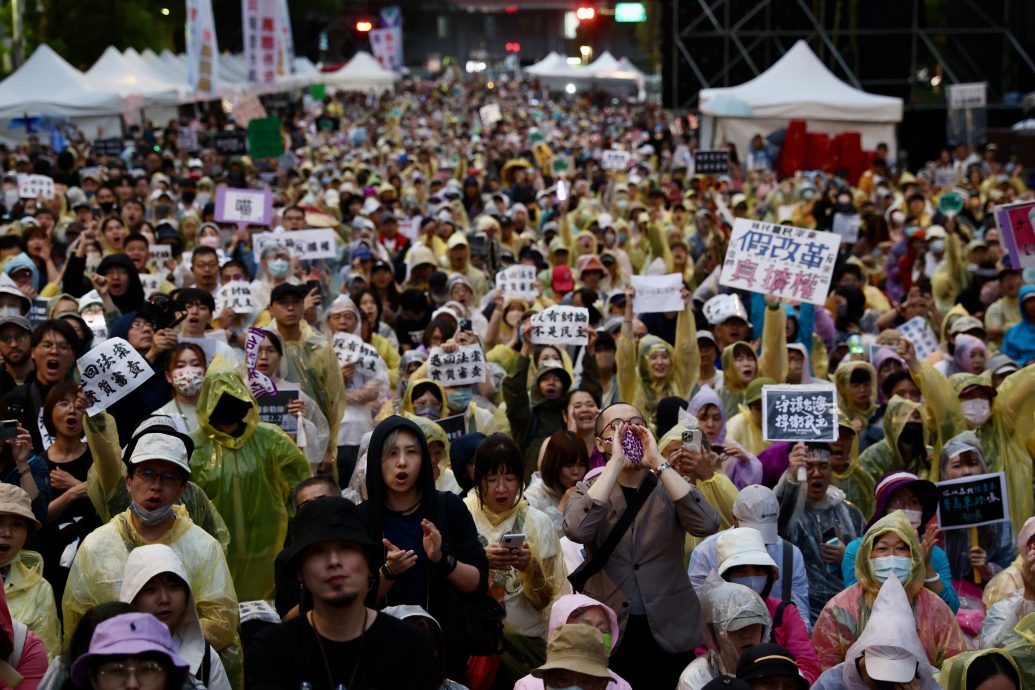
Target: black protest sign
{"type": "Point", "coordinates": [273, 410]}
{"type": "Point", "coordinates": [799, 413]}
{"type": "Point", "coordinates": [712, 162]}
{"type": "Point", "coordinates": [454, 426]}
{"type": "Point", "coordinates": [38, 313]}
{"type": "Point", "coordinates": [231, 143]}
{"type": "Point", "coordinates": [108, 147]}
{"type": "Point", "coordinates": [972, 501]}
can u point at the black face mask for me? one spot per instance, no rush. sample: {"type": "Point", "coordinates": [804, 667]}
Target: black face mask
{"type": "Point", "coordinates": [912, 433]}
{"type": "Point", "coordinates": [229, 410]}
{"type": "Point", "coordinates": [107, 206]}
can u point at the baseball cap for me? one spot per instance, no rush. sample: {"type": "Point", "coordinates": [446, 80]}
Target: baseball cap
{"type": "Point", "coordinates": [964, 324]}
{"type": "Point", "coordinates": [891, 664]}
{"type": "Point", "coordinates": [125, 635]}
{"type": "Point", "coordinates": [562, 280]}
{"type": "Point", "coordinates": [17, 320]}
{"type": "Point", "coordinates": [998, 363]}
{"type": "Point", "coordinates": [380, 265]}
{"type": "Point", "coordinates": [362, 252]}
{"type": "Point", "coordinates": [285, 289]}
{"type": "Point", "coordinates": [707, 335]}
{"type": "Point", "coordinates": [767, 660]}
{"type": "Point", "coordinates": [157, 443]}
{"type": "Point", "coordinates": [756, 507]}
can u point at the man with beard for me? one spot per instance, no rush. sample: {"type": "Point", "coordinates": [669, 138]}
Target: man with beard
{"type": "Point", "coordinates": [15, 349]}
{"type": "Point", "coordinates": [356, 647]}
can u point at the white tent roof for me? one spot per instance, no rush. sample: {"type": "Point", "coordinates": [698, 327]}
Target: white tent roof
{"type": "Point", "coordinates": [605, 63]}
{"type": "Point", "coordinates": [556, 65]}
{"type": "Point", "coordinates": [112, 71]}
{"type": "Point", "coordinates": [46, 84]}
{"type": "Point", "coordinates": [798, 85]}
{"type": "Point", "coordinates": [361, 73]}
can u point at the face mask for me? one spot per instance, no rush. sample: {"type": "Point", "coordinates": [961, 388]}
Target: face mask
{"type": "Point", "coordinates": [10, 311]}
{"type": "Point", "coordinates": [755, 582]}
{"type": "Point", "coordinates": [459, 398]}
{"type": "Point", "coordinates": [886, 566]}
{"type": "Point", "coordinates": [513, 318]}
{"type": "Point", "coordinates": [10, 197]}
{"type": "Point", "coordinates": [428, 411]}
{"type": "Point", "coordinates": [937, 246]}
{"type": "Point", "coordinates": [277, 268]}
{"type": "Point", "coordinates": [607, 642]}
{"type": "Point", "coordinates": [976, 411]}
{"type": "Point", "coordinates": [622, 203]}
{"type": "Point", "coordinates": [188, 380]}
{"type": "Point", "coordinates": [107, 206]}
{"type": "Point", "coordinates": [151, 517]}
{"type": "Point", "coordinates": [914, 516]}
{"type": "Point", "coordinates": [912, 433]}
{"type": "Point", "coordinates": [210, 241]}
{"type": "Point", "coordinates": [622, 237]}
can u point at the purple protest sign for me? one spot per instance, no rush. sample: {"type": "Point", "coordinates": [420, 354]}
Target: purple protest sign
{"type": "Point", "coordinates": [260, 384]}
{"type": "Point", "coordinates": [244, 206]}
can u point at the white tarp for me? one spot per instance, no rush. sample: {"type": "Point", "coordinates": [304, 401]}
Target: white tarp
{"type": "Point", "coordinates": [361, 73]}
{"type": "Point", "coordinates": [113, 71]}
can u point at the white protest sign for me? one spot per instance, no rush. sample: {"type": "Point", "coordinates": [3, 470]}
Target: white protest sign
{"type": "Point", "coordinates": [110, 372]}
{"type": "Point", "coordinates": [560, 325]}
{"type": "Point", "coordinates": [305, 244]}
{"type": "Point", "coordinates": [658, 293]}
{"type": "Point", "coordinates": [782, 260]}
{"type": "Point", "coordinates": [490, 114]}
{"type": "Point", "coordinates": [847, 226]}
{"type": "Point", "coordinates": [237, 295]}
{"type": "Point", "coordinates": [518, 280]}
{"type": "Point", "coordinates": [350, 349]}
{"type": "Point", "coordinates": [35, 186]}
{"type": "Point", "coordinates": [159, 253]}
{"type": "Point", "coordinates": [410, 228]}
{"type": "Point", "coordinates": [971, 95]}
{"type": "Point", "coordinates": [97, 324]}
{"type": "Point", "coordinates": [920, 333]}
{"type": "Point", "coordinates": [462, 367]}
{"type": "Point", "coordinates": [613, 159]}
{"type": "Point", "coordinates": [260, 384]}
{"type": "Point", "coordinates": [152, 284]}
{"type": "Point", "coordinates": [799, 413]}
{"type": "Point", "coordinates": [244, 206]}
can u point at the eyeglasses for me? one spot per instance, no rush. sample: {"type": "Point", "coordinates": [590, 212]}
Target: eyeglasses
{"type": "Point", "coordinates": [818, 466]}
{"type": "Point", "coordinates": [114, 676]}
{"type": "Point", "coordinates": [140, 324]}
{"type": "Point", "coordinates": [14, 338]}
{"type": "Point", "coordinates": [166, 479]}
{"type": "Point", "coordinates": [638, 421]}
{"type": "Point", "coordinates": [50, 345]}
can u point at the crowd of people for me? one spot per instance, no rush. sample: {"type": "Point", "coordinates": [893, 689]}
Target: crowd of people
{"type": "Point", "coordinates": [606, 514]}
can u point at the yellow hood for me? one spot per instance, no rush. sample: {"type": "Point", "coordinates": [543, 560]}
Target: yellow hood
{"type": "Point", "coordinates": [222, 378]}
{"type": "Point", "coordinates": [892, 522]}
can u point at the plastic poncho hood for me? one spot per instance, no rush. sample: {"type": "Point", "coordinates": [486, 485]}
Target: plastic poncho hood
{"type": "Point", "coordinates": [731, 379]}
{"type": "Point", "coordinates": [564, 606]}
{"type": "Point", "coordinates": [897, 415]}
{"type": "Point", "coordinates": [843, 377]}
{"type": "Point", "coordinates": [407, 401]}
{"type": "Point", "coordinates": [23, 261]}
{"type": "Point", "coordinates": [707, 396]}
{"type": "Point", "coordinates": [649, 344]}
{"type": "Point", "coordinates": [964, 442]}
{"type": "Point", "coordinates": [221, 379]}
{"type": "Point", "coordinates": [728, 606]}
{"type": "Point", "coordinates": [897, 523]}
{"type": "Point", "coordinates": [953, 673]}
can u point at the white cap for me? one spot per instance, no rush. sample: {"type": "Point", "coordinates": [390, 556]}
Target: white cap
{"type": "Point", "coordinates": [370, 206]}
{"type": "Point", "coordinates": [742, 546]}
{"type": "Point", "coordinates": [756, 507]}
{"type": "Point", "coordinates": [721, 308]}
{"type": "Point", "coordinates": [159, 446]}
{"type": "Point", "coordinates": [890, 664]}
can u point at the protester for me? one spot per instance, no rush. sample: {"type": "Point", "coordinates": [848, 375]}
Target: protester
{"type": "Point", "coordinates": [134, 645]}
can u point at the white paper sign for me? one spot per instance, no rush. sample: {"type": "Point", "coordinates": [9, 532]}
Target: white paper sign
{"type": "Point", "coordinates": [237, 295]}
{"type": "Point", "coordinates": [490, 114]}
{"type": "Point", "coordinates": [920, 333]}
{"type": "Point", "coordinates": [410, 228]}
{"type": "Point", "coordinates": [244, 206]}
{"type": "Point", "coordinates": [518, 280]}
{"type": "Point", "coordinates": [613, 159]}
{"type": "Point", "coordinates": [152, 284]}
{"type": "Point", "coordinates": [560, 325]}
{"type": "Point", "coordinates": [463, 367]}
{"type": "Point", "coordinates": [972, 95]}
{"type": "Point", "coordinates": [160, 253]}
{"type": "Point", "coordinates": [35, 186]}
{"type": "Point", "coordinates": [658, 293]}
{"type": "Point", "coordinates": [98, 325]}
{"type": "Point", "coordinates": [847, 226]}
{"type": "Point", "coordinates": [110, 372]}
{"type": "Point", "coordinates": [351, 349]}
{"type": "Point", "coordinates": [789, 262]}
{"type": "Point", "coordinates": [306, 244]}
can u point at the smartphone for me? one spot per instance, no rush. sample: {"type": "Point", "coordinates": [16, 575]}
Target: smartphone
{"type": "Point", "coordinates": [513, 541]}
{"type": "Point", "coordinates": [693, 438]}
{"type": "Point", "coordinates": [311, 285]}
{"type": "Point", "coordinates": [829, 535]}
{"type": "Point", "coordinates": [8, 429]}
{"type": "Point", "coordinates": [465, 325]}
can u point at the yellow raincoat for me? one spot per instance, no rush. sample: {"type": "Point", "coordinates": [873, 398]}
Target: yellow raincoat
{"type": "Point", "coordinates": [858, 485]}
{"type": "Point", "coordinates": [842, 377]}
{"type": "Point", "coordinates": [1023, 651]}
{"type": "Point", "coordinates": [953, 674]}
{"type": "Point", "coordinates": [31, 600]}
{"type": "Point", "coordinates": [719, 491]}
{"type": "Point", "coordinates": [772, 362]}
{"type": "Point", "coordinates": [249, 479]}
{"type": "Point", "coordinates": [313, 365]}
{"type": "Point", "coordinates": [884, 456]}
{"type": "Point", "coordinates": [96, 573]}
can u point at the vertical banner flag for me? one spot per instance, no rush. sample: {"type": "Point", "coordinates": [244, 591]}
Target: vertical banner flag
{"type": "Point", "coordinates": [386, 45]}
{"type": "Point", "coordinates": [202, 48]}
{"type": "Point", "coordinates": [260, 40]}
{"type": "Point", "coordinates": [285, 42]}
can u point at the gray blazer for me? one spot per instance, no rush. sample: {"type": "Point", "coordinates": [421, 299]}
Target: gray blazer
{"type": "Point", "coordinates": [650, 556]}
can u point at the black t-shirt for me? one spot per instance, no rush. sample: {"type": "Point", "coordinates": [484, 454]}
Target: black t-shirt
{"type": "Point", "coordinates": [392, 655]}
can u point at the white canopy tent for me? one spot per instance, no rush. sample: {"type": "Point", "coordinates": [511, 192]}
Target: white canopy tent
{"type": "Point", "coordinates": [603, 64]}
{"type": "Point", "coordinates": [114, 72]}
{"type": "Point", "coordinates": [47, 85]}
{"type": "Point", "coordinates": [361, 73]}
{"type": "Point", "coordinates": [797, 87]}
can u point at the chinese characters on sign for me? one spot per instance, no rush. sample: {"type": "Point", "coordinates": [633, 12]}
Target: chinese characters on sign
{"type": "Point", "coordinates": [799, 413]}
{"type": "Point", "coordinates": [455, 426]}
{"type": "Point", "coordinates": [712, 163]}
{"type": "Point", "coordinates": [920, 333]}
{"type": "Point", "coordinates": [490, 114]}
{"type": "Point", "coordinates": [351, 349]}
{"type": "Point", "coordinates": [789, 262]}
{"type": "Point", "coordinates": [518, 281]}
{"type": "Point", "coordinates": [973, 501]}
{"type": "Point", "coordinates": [847, 226]}
{"type": "Point", "coordinates": [237, 295]}
{"type": "Point", "coordinates": [260, 40]}
{"type": "Point", "coordinates": [35, 186]}
{"type": "Point", "coordinates": [273, 410]}
{"type": "Point", "coordinates": [244, 206]}
{"type": "Point", "coordinates": [202, 49]}
{"type": "Point", "coordinates": [658, 293]}
{"type": "Point", "coordinates": [462, 367]}
{"type": "Point", "coordinates": [260, 384]}
{"type": "Point", "coordinates": [231, 143]}
{"type": "Point", "coordinates": [1015, 222]}
{"type": "Point", "coordinates": [159, 254]}
{"type": "Point", "coordinates": [614, 159]}
{"type": "Point", "coordinates": [110, 372]}
{"type": "Point", "coordinates": [560, 325]}
{"type": "Point", "coordinates": [305, 244]}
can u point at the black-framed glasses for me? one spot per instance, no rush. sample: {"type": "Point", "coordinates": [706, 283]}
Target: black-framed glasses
{"type": "Point", "coordinates": [638, 421]}
{"type": "Point", "coordinates": [164, 478]}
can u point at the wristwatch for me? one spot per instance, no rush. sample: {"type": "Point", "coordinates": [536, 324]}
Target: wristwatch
{"type": "Point", "coordinates": [661, 468]}
{"type": "Point", "coordinates": [386, 572]}
{"type": "Point", "coordinates": [447, 563]}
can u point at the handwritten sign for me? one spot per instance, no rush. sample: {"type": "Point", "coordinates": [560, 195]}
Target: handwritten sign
{"type": "Point", "coordinates": [490, 114]}
{"type": "Point", "coordinates": [970, 95]}
{"type": "Point", "coordinates": [658, 293]}
{"type": "Point", "coordinates": [792, 263]}
{"type": "Point", "coordinates": [350, 349]}
{"type": "Point", "coordinates": [110, 372]}
{"type": "Point", "coordinates": [244, 206]}
{"type": "Point", "coordinates": [560, 325]}
{"type": "Point", "coordinates": [712, 162]}
{"type": "Point", "coordinates": [231, 143]}
{"type": "Point", "coordinates": [613, 159]}
{"type": "Point", "coordinates": [1016, 223]}
{"type": "Point", "coordinates": [237, 295]}
{"type": "Point", "coordinates": [159, 254]}
{"type": "Point", "coordinates": [152, 284]}
{"type": "Point", "coordinates": [462, 367]}
{"type": "Point", "coordinates": [973, 501]}
{"type": "Point", "coordinates": [97, 324]}
{"type": "Point", "coordinates": [847, 226]}
{"type": "Point", "coordinates": [518, 281]}
{"type": "Point", "coordinates": [35, 186]}
{"type": "Point", "coordinates": [920, 333]}
{"type": "Point", "coordinates": [260, 384]}
{"type": "Point", "coordinates": [799, 413]}
{"type": "Point", "coordinates": [273, 410]}
{"type": "Point", "coordinates": [455, 426]}
{"type": "Point", "coordinates": [305, 244]}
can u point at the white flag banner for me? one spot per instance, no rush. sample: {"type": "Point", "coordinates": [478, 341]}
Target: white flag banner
{"type": "Point", "coordinates": [260, 40]}
{"type": "Point", "coordinates": [386, 45]}
{"type": "Point", "coordinates": [285, 42]}
{"type": "Point", "coordinates": [202, 49]}
{"type": "Point", "coordinates": [110, 372]}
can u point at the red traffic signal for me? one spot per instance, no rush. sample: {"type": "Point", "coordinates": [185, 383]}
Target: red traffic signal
{"type": "Point", "coordinates": [511, 9]}
{"type": "Point", "coordinates": [513, 47]}
{"type": "Point", "coordinates": [363, 26]}
{"type": "Point", "coordinates": [585, 13]}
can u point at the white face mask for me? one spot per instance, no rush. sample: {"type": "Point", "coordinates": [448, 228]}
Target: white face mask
{"type": "Point", "coordinates": [976, 411]}
{"type": "Point", "coordinates": [886, 566]}
{"type": "Point", "coordinates": [755, 582]}
{"type": "Point", "coordinates": [513, 318]}
{"type": "Point", "coordinates": [188, 380]}
{"type": "Point", "coordinates": [915, 517]}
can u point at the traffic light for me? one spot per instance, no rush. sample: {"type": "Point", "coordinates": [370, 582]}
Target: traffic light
{"type": "Point", "coordinates": [513, 47]}
{"type": "Point", "coordinates": [511, 9]}
{"type": "Point", "coordinates": [363, 26]}
{"type": "Point", "coordinates": [585, 13]}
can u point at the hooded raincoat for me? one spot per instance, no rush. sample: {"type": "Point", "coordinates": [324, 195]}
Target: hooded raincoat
{"type": "Point", "coordinates": [953, 674]}
{"type": "Point", "coordinates": [842, 379]}
{"type": "Point", "coordinates": [1023, 649]}
{"type": "Point", "coordinates": [772, 362]}
{"type": "Point", "coordinates": [719, 490]}
{"type": "Point", "coordinates": [249, 478]}
{"type": "Point", "coordinates": [885, 629]}
{"type": "Point", "coordinates": [741, 473]}
{"type": "Point", "coordinates": [445, 480]}
{"type": "Point", "coordinates": [31, 600]}
{"type": "Point", "coordinates": [32, 664]}
{"type": "Point", "coordinates": [886, 456]}
{"type": "Point", "coordinates": [846, 615]}
{"type": "Point", "coordinates": [145, 563]}
{"type": "Point", "coordinates": [1019, 341]}
{"type": "Point", "coordinates": [562, 609]}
